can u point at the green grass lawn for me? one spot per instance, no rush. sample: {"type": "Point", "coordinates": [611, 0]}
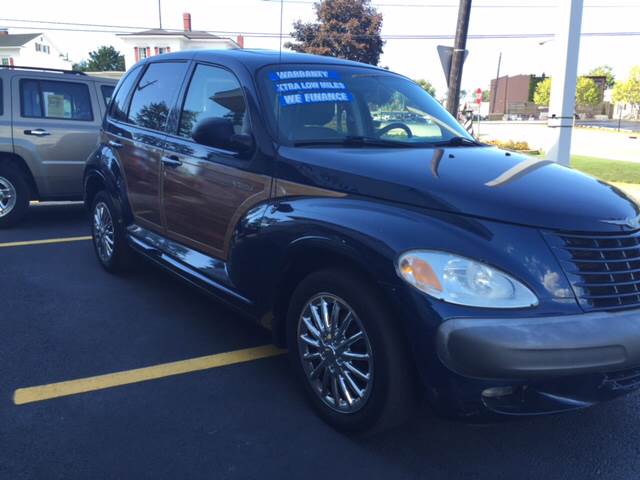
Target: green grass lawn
{"type": "Point", "coordinates": [607, 170]}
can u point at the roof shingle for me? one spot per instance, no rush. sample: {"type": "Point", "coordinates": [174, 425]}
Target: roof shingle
{"type": "Point", "coordinates": [191, 34]}
{"type": "Point", "coordinates": [17, 40]}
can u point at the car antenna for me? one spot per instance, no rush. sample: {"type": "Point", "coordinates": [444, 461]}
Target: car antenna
{"type": "Point", "coordinates": [279, 108]}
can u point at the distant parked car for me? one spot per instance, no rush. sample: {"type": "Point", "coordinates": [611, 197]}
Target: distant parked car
{"type": "Point", "coordinates": [49, 124]}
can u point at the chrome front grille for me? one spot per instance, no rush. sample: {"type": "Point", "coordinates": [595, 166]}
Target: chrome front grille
{"type": "Point", "coordinates": [604, 269]}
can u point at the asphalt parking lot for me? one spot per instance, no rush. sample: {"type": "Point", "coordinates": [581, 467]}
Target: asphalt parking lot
{"type": "Point", "coordinates": [235, 415]}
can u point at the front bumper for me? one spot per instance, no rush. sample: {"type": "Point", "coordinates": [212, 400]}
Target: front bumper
{"type": "Point", "coordinates": [531, 366]}
{"type": "Point", "coordinates": [541, 347]}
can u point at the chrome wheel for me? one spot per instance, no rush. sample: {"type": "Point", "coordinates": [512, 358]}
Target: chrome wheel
{"type": "Point", "coordinates": [8, 197]}
{"type": "Point", "coordinates": [103, 233]}
{"type": "Point", "coordinates": [336, 353]}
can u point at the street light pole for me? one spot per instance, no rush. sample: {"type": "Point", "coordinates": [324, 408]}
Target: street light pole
{"type": "Point", "coordinates": [160, 14]}
{"type": "Point", "coordinates": [563, 81]}
{"type": "Point", "coordinates": [495, 92]}
{"type": "Point", "coordinates": [457, 57]}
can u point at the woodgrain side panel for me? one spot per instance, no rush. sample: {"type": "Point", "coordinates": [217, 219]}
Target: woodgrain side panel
{"type": "Point", "coordinates": [141, 168]}
{"type": "Point", "coordinates": [204, 200]}
{"type": "Point", "coordinates": [285, 188]}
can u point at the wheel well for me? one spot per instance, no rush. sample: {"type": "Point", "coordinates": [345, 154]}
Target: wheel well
{"type": "Point", "coordinates": [93, 185]}
{"type": "Point", "coordinates": [299, 266]}
{"type": "Point", "coordinates": [18, 161]}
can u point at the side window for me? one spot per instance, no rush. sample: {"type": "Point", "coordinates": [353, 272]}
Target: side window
{"type": "Point", "coordinates": [118, 109]}
{"type": "Point", "coordinates": [55, 100]}
{"type": "Point", "coordinates": [151, 101]}
{"type": "Point", "coordinates": [107, 93]}
{"type": "Point", "coordinates": [213, 93]}
{"type": "Point", "coordinates": [1, 99]}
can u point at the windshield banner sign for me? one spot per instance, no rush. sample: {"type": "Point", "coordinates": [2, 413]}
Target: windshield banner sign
{"type": "Point", "coordinates": [303, 74]}
{"type": "Point", "coordinates": [314, 97]}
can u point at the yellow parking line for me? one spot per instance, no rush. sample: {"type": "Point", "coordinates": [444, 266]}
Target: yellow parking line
{"type": "Point", "coordinates": [44, 242]}
{"type": "Point", "coordinates": [89, 384]}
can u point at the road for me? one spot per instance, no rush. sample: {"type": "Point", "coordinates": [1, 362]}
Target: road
{"type": "Point", "coordinates": [64, 318]}
{"type": "Point", "coordinates": [585, 141]}
{"type": "Point", "coordinates": [631, 125]}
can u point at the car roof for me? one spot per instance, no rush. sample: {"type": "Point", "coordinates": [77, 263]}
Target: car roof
{"type": "Point", "coordinates": [54, 74]}
{"type": "Point", "coordinates": [254, 59]}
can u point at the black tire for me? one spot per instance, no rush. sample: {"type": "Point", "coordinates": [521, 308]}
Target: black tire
{"type": "Point", "coordinates": [392, 396]}
{"type": "Point", "coordinates": [121, 256]}
{"type": "Point", "coordinates": [13, 178]}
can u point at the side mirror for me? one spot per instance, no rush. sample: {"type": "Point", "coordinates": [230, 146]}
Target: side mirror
{"type": "Point", "coordinates": [219, 133]}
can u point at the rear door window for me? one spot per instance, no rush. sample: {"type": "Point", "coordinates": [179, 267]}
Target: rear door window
{"type": "Point", "coordinates": [55, 100]}
{"type": "Point", "coordinates": [118, 109]}
{"type": "Point", "coordinates": [155, 93]}
{"type": "Point", "coordinates": [213, 93]}
{"type": "Point", "coordinates": [107, 93]}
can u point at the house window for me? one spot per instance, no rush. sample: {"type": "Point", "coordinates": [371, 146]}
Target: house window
{"type": "Point", "coordinates": [164, 50]}
{"type": "Point", "coordinates": [38, 47]}
{"type": "Point", "coordinates": [142, 52]}
{"type": "Point", "coordinates": [5, 61]}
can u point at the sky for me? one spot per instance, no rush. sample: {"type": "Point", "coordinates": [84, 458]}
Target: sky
{"type": "Point", "coordinates": [413, 58]}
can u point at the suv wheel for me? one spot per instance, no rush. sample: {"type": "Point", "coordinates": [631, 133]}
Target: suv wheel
{"type": "Point", "coordinates": [14, 195]}
{"type": "Point", "coordinates": [109, 236]}
{"type": "Point", "coordinates": [344, 347]}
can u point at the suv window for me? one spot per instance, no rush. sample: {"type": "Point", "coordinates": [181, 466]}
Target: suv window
{"type": "Point", "coordinates": [1, 99]}
{"type": "Point", "coordinates": [151, 101]}
{"type": "Point", "coordinates": [213, 92]}
{"type": "Point", "coordinates": [118, 108]}
{"type": "Point", "coordinates": [57, 100]}
{"type": "Point", "coordinates": [107, 93]}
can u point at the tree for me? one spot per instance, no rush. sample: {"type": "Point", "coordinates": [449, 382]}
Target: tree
{"type": "Point", "coordinates": [105, 59]}
{"type": "Point", "coordinates": [587, 92]}
{"type": "Point", "coordinates": [604, 71]}
{"type": "Point", "coordinates": [543, 92]}
{"type": "Point", "coordinates": [153, 116]}
{"type": "Point", "coordinates": [345, 28]}
{"type": "Point", "coordinates": [629, 91]}
{"type": "Point", "coordinates": [485, 95]}
{"type": "Point", "coordinates": [427, 87]}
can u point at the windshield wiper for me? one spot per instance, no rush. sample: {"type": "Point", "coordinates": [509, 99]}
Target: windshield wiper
{"type": "Point", "coordinates": [354, 141]}
{"type": "Point", "coordinates": [459, 142]}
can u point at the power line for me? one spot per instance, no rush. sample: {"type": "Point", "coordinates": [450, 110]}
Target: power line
{"type": "Point", "coordinates": [455, 5]}
{"type": "Point", "coordinates": [121, 29]}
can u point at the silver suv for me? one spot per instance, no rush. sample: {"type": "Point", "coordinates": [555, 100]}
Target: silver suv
{"type": "Point", "coordinates": [49, 124]}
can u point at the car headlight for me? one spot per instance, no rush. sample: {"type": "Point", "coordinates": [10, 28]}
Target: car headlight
{"type": "Point", "coordinates": [463, 281]}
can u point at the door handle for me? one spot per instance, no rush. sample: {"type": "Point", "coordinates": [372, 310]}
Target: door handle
{"type": "Point", "coordinates": [115, 144]}
{"type": "Point", "coordinates": [38, 132]}
{"type": "Point", "coordinates": [171, 161]}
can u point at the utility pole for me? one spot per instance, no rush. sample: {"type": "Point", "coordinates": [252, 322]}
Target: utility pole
{"type": "Point", "coordinates": [495, 92]}
{"type": "Point", "coordinates": [457, 58]}
{"type": "Point", "coordinates": [160, 13]}
{"type": "Point", "coordinates": [563, 80]}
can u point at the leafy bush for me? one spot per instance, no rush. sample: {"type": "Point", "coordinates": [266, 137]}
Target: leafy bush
{"type": "Point", "coordinates": [520, 146]}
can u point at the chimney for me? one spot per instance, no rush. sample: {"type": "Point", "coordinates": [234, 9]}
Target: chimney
{"type": "Point", "coordinates": [186, 22]}
{"type": "Point", "coordinates": [240, 41]}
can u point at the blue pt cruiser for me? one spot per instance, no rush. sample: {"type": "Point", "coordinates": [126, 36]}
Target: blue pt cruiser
{"type": "Point", "coordinates": [393, 255]}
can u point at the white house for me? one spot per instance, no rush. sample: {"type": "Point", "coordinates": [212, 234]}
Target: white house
{"type": "Point", "coordinates": [157, 41]}
{"type": "Point", "coordinates": [31, 50]}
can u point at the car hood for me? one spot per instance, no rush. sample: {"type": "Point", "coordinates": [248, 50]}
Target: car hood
{"type": "Point", "coordinates": [479, 181]}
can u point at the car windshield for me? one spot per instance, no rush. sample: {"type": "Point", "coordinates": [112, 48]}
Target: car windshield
{"type": "Point", "coordinates": [328, 104]}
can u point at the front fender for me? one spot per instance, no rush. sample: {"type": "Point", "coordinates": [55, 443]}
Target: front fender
{"type": "Point", "coordinates": [373, 234]}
